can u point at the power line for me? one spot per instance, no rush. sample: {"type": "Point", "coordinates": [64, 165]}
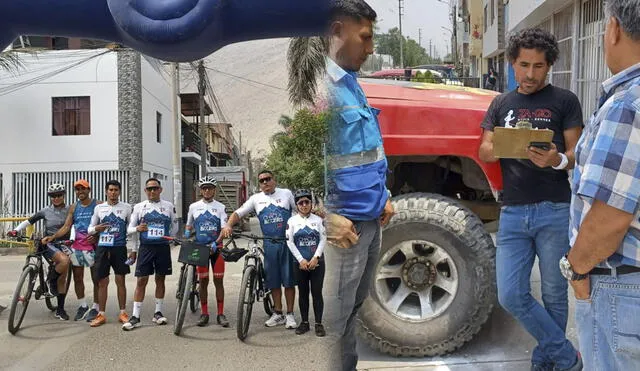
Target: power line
{"type": "Point", "coordinates": [246, 79]}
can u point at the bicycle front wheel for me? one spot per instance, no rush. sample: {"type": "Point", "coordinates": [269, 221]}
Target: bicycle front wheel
{"type": "Point", "coordinates": [245, 302]}
{"type": "Point", "coordinates": [21, 297]}
{"type": "Point", "coordinates": [194, 297]}
{"type": "Point", "coordinates": [186, 279]}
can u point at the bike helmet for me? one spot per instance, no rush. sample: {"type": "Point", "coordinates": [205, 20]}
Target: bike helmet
{"type": "Point", "coordinates": [55, 188]}
{"type": "Point", "coordinates": [302, 193]}
{"type": "Point", "coordinates": [207, 180]}
{"type": "Point", "coordinates": [232, 255]}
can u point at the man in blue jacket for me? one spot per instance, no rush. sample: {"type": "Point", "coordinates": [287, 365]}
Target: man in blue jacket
{"type": "Point", "coordinates": [358, 199]}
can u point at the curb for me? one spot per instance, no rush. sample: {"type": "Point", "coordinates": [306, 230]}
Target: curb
{"type": "Point", "coordinates": [13, 251]}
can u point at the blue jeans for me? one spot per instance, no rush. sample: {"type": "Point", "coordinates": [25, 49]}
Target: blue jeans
{"type": "Point", "coordinates": [526, 231]}
{"type": "Point", "coordinates": [609, 323]}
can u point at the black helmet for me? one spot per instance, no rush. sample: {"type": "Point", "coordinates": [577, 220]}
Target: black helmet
{"type": "Point", "coordinates": [302, 193]}
{"type": "Point", "coordinates": [232, 255]}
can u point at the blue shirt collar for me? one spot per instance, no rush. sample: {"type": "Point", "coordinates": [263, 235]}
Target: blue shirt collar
{"type": "Point", "coordinates": [620, 78]}
{"type": "Point", "coordinates": [336, 72]}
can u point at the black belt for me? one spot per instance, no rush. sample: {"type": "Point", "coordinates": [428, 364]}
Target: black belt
{"type": "Point", "coordinates": [623, 269]}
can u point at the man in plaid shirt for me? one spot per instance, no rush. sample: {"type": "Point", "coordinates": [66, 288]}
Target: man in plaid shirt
{"type": "Point", "coordinates": [603, 265]}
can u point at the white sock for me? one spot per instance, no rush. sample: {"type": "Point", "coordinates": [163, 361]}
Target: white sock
{"type": "Point", "coordinates": [101, 312]}
{"type": "Point", "coordinates": [95, 306]}
{"type": "Point", "coordinates": [159, 303]}
{"type": "Point", "coordinates": [137, 307]}
{"type": "Point", "coordinates": [83, 302]}
{"type": "Point", "coordinates": [122, 311]}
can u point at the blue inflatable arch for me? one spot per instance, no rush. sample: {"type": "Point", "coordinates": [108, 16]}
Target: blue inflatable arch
{"type": "Point", "coordinates": [171, 30]}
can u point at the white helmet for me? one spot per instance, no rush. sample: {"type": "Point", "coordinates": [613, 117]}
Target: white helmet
{"type": "Point", "coordinates": [207, 180]}
{"type": "Point", "coordinates": [55, 188]}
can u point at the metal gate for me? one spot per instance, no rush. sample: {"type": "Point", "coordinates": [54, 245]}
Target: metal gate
{"type": "Point", "coordinates": [592, 69]}
{"type": "Point", "coordinates": [29, 193]}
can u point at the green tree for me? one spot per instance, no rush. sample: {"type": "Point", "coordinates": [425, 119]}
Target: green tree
{"type": "Point", "coordinates": [413, 53]}
{"type": "Point", "coordinates": [296, 154]}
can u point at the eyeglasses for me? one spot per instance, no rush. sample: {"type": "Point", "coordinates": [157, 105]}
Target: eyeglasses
{"type": "Point", "coordinates": [151, 189]}
{"type": "Point", "coordinates": [265, 180]}
{"type": "Point", "coordinates": [303, 203]}
{"type": "Point", "coordinates": [60, 195]}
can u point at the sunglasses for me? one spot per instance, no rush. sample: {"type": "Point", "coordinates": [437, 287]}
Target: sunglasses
{"type": "Point", "coordinates": [303, 203]}
{"type": "Point", "coordinates": [151, 189]}
{"type": "Point", "coordinates": [265, 180]}
{"type": "Point", "coordinates": [59, 195]}
{"type": "Point", "coordinates": [207, 188]}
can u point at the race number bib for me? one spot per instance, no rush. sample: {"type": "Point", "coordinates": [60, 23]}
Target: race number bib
{"type": "Point", "coordinates": [155, 231]}
{"type": "Point", "coordinates": [106, 239]}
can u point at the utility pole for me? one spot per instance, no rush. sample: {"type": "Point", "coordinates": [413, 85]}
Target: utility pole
{"type": "Point", "coordinates": [430, 51]}
{"type": "Point", "coordinates": [401, 37]}
{"type": "Point", "coordinates": [176, 122]}
{"type": "Point", "coordinates": [455, 35]}
{"type": "Point", "coordinates": [201, 129]}
{"type": "Point", "coordinates": [420, 36]}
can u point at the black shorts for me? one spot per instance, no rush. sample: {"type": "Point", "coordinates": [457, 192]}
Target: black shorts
{"type": "Point", "coordinates": [111, 257]}
{"type": "Point", "coordinates": [153, 259]}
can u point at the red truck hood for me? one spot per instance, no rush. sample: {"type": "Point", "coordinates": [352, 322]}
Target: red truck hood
{"type": "Point", "coordinates": [420, 119]}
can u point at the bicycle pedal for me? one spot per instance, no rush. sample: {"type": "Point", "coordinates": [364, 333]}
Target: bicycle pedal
{"type": "Point", "coordinates": [38, 292]}
{"type": "Point", "coordinates": [49, 295]}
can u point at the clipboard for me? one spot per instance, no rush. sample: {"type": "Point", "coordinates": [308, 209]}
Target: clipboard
{"type": "Point", "coordinates": [513, 143]}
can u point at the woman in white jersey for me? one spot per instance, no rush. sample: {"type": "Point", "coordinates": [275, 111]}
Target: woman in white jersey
{"type": "Point", "coordinates": [306, 238]}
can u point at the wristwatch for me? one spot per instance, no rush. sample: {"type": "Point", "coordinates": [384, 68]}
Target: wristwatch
{"type": "Point", "coordinates": [567, 270]}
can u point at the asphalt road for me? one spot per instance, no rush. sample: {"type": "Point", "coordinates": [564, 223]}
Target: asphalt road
{"type": "Point", "coordinates": [45, 343]}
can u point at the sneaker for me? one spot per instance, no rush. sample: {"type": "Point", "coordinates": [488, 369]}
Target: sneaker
{"type": "Point", "coordinates": [222, 320]}
{"type": "Point", "coordinates": [123, 317]}
{"type": "Point", "coordinates": [290, 321]}
{"type": "Point", "coordinates": [159, 319]}
{"type": "Point", "coordinates": [204, 320]}
{"type": "Point", "coordinates": [131, 324]}
{"type": "Point", "coordinates": [576, 367]}
{"type": "Point", "coordinates": [62, 315]}
{"type": "Point", "coordinates": [320, 330]}
{"type": "Point", "coordinates": [303, 328]}
{"type": "Point", "coordinates": [93, 313]}
{"type": "Point", "coordinates": [275, 320]}
{"type": "Point", "coordinates": [99, 320]}
{"type": "Point", "coordinates": [81, 313]}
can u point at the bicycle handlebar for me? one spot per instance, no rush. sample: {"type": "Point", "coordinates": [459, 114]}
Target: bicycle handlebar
{"type": "Point", "coordinates": [255, 238]}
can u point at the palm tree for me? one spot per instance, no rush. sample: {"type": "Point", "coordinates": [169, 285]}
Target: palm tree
{"type": "Point", "coordinates": [10, 61]}
{"type": "Point", "coordinates": [306, 62]}
{"type": "Point", "coordinates": [285, 122]}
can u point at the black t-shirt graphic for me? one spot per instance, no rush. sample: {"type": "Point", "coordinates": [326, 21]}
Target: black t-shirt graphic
{"type": "Point", "coordinates": [550, 108]}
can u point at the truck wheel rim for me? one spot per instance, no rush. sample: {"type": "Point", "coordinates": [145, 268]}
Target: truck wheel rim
{"type": "Point", "coordinates": [416, 280]}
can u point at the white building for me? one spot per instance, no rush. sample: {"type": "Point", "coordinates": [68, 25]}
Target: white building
{"type": "Point", "coordinates": [96, 114]}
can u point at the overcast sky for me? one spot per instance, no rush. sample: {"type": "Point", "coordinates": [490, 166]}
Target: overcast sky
{"type": "Point", "coordinates": [430, 15]}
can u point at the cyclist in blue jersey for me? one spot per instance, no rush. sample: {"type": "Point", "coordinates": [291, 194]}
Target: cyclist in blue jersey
{"type": "Point", "coordinates": [83, 248]}
{"type": "Point", "coordinates": [109, 222]}
{"type": "Point", "coordinates": [153, 219]}
{"type": "Point", "coordinates": [274, 207]}
{"type": "Point", "coordinates": [206, 218]}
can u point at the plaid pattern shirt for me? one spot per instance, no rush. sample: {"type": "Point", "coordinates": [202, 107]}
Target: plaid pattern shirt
{"type": "Point", "coordinates": [608, 162]}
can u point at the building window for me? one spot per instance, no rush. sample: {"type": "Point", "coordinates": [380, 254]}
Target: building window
{"type": "Point", "coordinates": [71, 116]}
{"type": "Point", "coordinates": [158, 127]}
{"type": "Point", "coordinates": [486, 19]}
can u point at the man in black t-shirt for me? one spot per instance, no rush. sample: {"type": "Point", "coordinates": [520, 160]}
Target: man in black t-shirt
{"type": "Point", "coordinates": [534, 220]}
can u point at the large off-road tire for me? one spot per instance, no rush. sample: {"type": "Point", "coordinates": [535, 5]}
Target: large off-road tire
{"type": "Point", "coordinates": [434, 284]}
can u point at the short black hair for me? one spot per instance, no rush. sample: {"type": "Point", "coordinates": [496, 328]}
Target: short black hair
{"type": "Point", "coordinates": [265, 172]}
{"type": "Point", "coordinates": [533, 38]}
{"type": "Point", "coordinates": [153, 180]}
{"type": "Point", "coordinates": [113, 182]}
{"type": "Point", "coordinates": [356, 9]}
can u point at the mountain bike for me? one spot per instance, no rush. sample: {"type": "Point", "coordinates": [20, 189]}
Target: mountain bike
{"type": "Point", "coordinates": [253, 286]}
{"type": "Point", "coordinates": [33, 273]}
{"type": "Point", "coordinates": [192, 254]}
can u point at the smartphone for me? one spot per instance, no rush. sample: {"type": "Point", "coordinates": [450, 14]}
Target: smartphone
{"type": "Point", "coordinates": [541, 145]}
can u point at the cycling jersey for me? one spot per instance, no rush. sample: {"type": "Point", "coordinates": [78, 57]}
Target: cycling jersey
{"type": "Point", "coordinates": [160, 219]}
{"type": "Point", "coordinates": [273, 210]}
{"type": "Point", "coordinates": [81, 220]}
{"type": "Point", "coordinates": [117, 216]}
{"type": "Point", "coordinates": [306, 236]}
{"type": "Point", "coordinates": [54, 218]}
{"type": "Point", "coordinates": [207, 219]}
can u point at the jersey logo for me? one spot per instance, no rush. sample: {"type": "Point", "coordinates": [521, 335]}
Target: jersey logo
{"type": "Point", "coordinates": [508, 119]}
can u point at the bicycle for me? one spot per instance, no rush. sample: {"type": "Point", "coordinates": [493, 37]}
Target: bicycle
{"type": "Point", "coordinates": [252, 287]}
{"type": "Point", "coordinates": [34, 269]}
{"type": "Point", "coordinates": [192, 254]}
